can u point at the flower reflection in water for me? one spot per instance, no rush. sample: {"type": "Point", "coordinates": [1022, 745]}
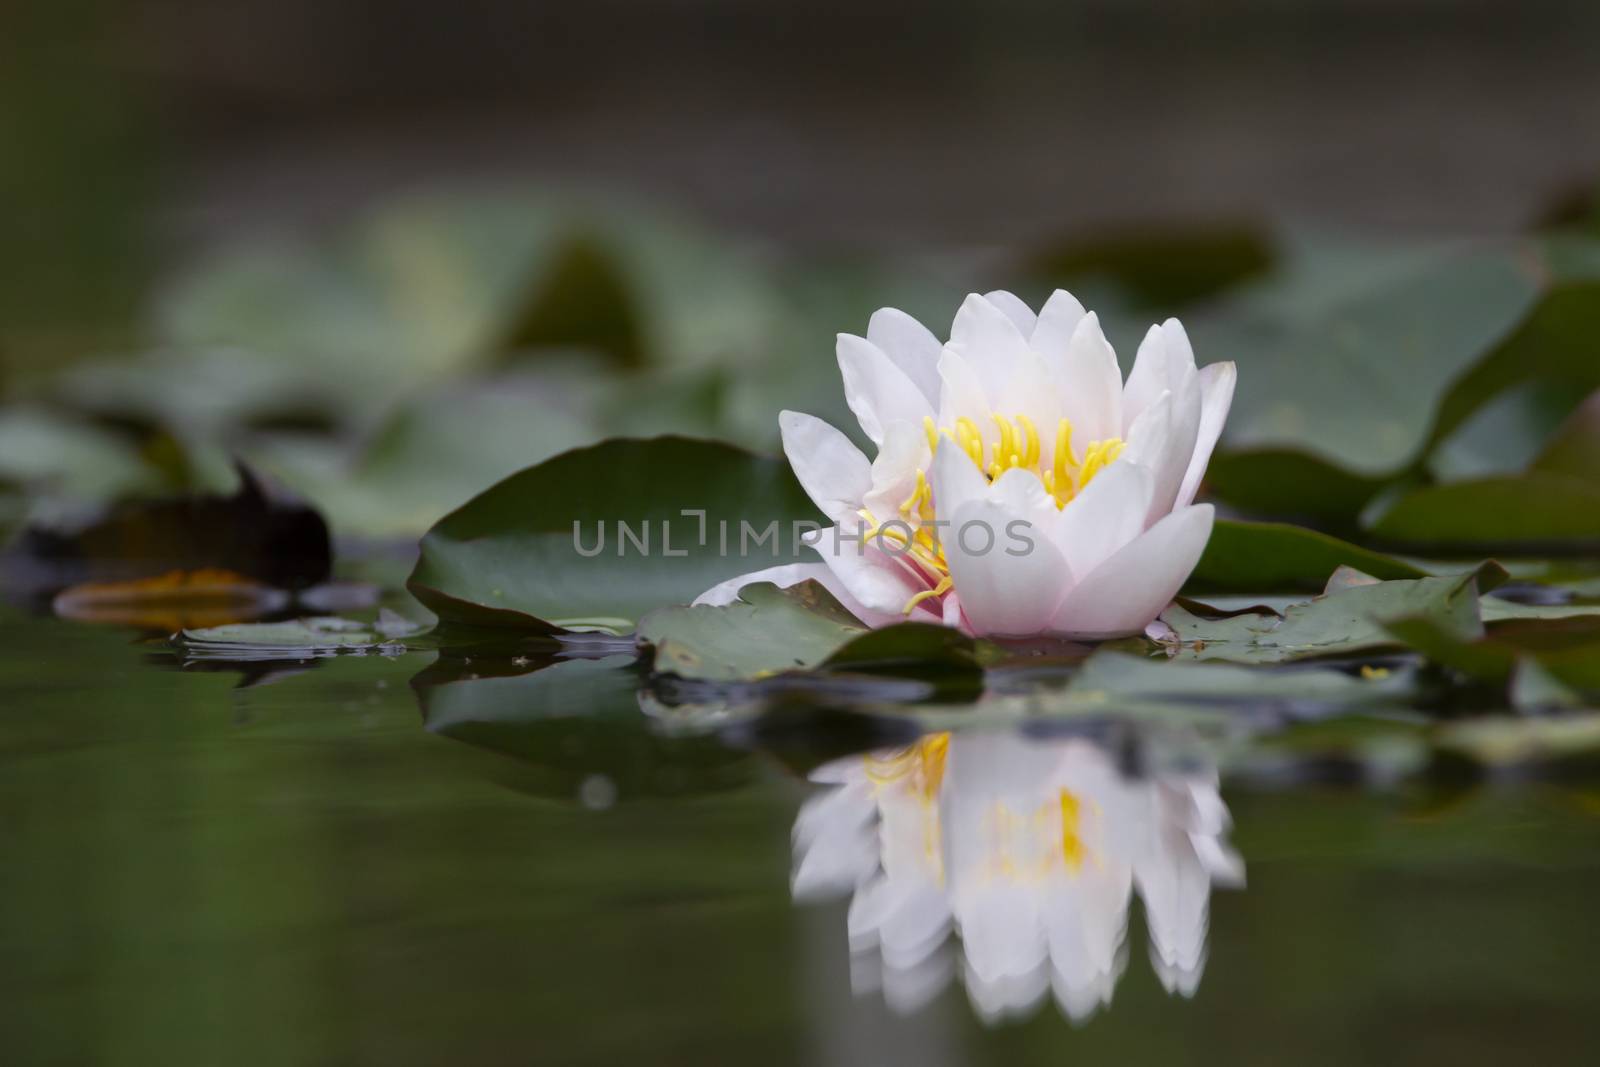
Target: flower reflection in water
{"type": "Point", "coordinates": [1029, 851]}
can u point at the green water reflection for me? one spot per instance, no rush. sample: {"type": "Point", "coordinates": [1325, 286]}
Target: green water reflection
{"type": "Point", "coordinates": [300, 872]}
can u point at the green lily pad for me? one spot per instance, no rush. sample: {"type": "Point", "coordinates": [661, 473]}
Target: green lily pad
{"type": "Point", "coordinates": [298, 639]}
{"type": "Point", "coordinates": [1556, 500]}
{"type": "Point", "coordinates": [1254, 556]}
{"type": "Point", "coordinates": [1355, 364]}
{"type": "Point", "coordinates": [1522, 512]}
{"type": "Point", "coordinates": [545, 544]}
{"type": "Point", "coordinates": [765, 631]}
{"type": "Point", "coordinates": [1351, 619]}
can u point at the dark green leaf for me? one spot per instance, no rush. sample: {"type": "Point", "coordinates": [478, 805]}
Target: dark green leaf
{"type": "Point", "coordinates": [1350, 619]}
{"type": "Point", "coordinates": [1256, 556]}
{"type": "Point", "coordinates": [509, 557]}
{"type": "Point", "coordinates": [766, 631]}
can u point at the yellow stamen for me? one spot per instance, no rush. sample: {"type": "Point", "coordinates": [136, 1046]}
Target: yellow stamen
{"type": "Point", "coordinates": [970, 439]}
{"type": "Point", "coordinates": [927, 594]}
{"type": "Point", "coordinates": [1030, 455]}
{"type": "Point", "coordinates": [1008, 439]}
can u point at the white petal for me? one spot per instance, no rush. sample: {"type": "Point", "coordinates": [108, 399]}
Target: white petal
{"type": "Point", "coordinates": [1148, 378]}
{"type": "Point", "coordinates": [904, 452]}
{"type": "Point", "coordinates": [1090, 384]}
{"type": "Point", "coordinates": [1016, 309]}
{"type": "Point", "coordinates": [1162, 439]}
{"type": "Point", "coordinates": [954, 479]}
{"type": "Point", "coordinates": [877, 582]}
{"type": "Point", "coordinates": [876, 390]}
{"type": "Point", "coordinates": [1058, 319]}
{"type": "Point", "coordinates": [1149, 445]}
{"type": "Point", "coordinates": [1020, 494]}
{"type": "Point", "coordinates": [911, 346]}
{"type": "Point", "coordinates": [1107, 515]}
{"type": "Point", "coordinates": [1216, 396]}
{"type": "Point", "coordinates": [793, 574]}
{"type": "Point", "coordinates": [962, 390]}
{"type": "Point", "coordinates": [987, 337]}
{"type": "Point", "coordinates": [833, 471]}
{"type": "Point", "coordinates": [1124, 593]}
{"type": "Point", "coordinates": [1007, 585]}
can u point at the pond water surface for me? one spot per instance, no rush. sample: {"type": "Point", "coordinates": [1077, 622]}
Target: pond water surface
{"type": "Point", "coordinates": [307, 870]}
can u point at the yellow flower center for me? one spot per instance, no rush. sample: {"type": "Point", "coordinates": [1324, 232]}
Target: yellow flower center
{"type": "Point", "coordinates": [1014, 444]}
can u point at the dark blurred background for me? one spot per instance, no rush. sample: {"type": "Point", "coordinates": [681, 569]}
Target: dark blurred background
{"type": "Point", "coordinates": [861, 123]}
{"type": "Point", "coordinates": [140, 138]}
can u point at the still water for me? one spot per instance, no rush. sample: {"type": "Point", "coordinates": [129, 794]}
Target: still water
{"type": "Point", "coordinates": [331, 865]}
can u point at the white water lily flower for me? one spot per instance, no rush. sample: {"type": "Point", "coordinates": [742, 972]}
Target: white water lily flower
{"type": "Point", "coordinates": [1031, 851]}
{"type": "Point", "coordinates": [1020, 486]}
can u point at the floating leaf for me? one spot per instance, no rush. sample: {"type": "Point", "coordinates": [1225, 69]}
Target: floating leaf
{"type": "Point", "coordinates": [170, 602]}
{"type": "Point", "coordinates": [511, 556]}
{"type": "Point", "coordinates": [259, 532]}
{"type": "Point", "coordinates": [298, 639]}
{"type": "Point", "coordinates": [1277, 556]}
{"type": "Point", "coordinates": [765, 631]}
{"type": "Point", "coordinates": [1342, 622]}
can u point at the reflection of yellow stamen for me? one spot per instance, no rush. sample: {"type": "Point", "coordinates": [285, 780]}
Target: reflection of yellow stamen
{"type": "Point", "coordinates": [1072, 848]}
{"type": "Point", "coordinates": [932, 431]}
{"type": "Point", "coordinates": [923, 762]}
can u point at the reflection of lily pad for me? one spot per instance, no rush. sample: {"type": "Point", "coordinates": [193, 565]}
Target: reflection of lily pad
{"type": "Point", "coordinates": [578, 732]}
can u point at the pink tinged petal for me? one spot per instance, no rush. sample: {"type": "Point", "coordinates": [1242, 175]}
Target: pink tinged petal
{"type": "Point", "coordinates": [903, 453]}
{"type": "Point", "coordinates": [1058, 320]}
{"type": "Point", "coordinates": [1180, 353]}
{"type": "Point", "coordinates": [952, 613]}
{"type": "Point", "coordinates": [954, 479]}
{"type": "Point", "coordinates": [1021, 493]}
{"type": "Point", "coordinates": [987, 337]}
{"type": "Point", "coordinates": [910, 346]}
{"type": "Point", "coordinates": [1090, 384]}
{"type": "Point", "coordinates": [1150, 445]}
{"type": "Point", "coordinates": [1015, 309]}
{"type": "Point", "coordinates": [877, 391]}
{"type": "Point", "coordinates": [1103, 518]}
{"type": "Point", "coordinates": [1010, 579]}
{"type": "Point", "coordinates": [1148, 378]}
{"type": "Point", "coordinates": [1122, 595]}
{"type": "Point", "coordinates": [878, 582]}
{"type": "Point", "coordinates": [1162, 439]}
{"type": "Point", "coordinates": [962, 390]}
{"type": "Point", "coordinates": [1216, 397]}
{"type": "Point", "coordinates": [830, 468]}
{"type": "Point", "coordinates": [1030, 390]}
{"type": "Point", "coordinates": [793, 574]}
